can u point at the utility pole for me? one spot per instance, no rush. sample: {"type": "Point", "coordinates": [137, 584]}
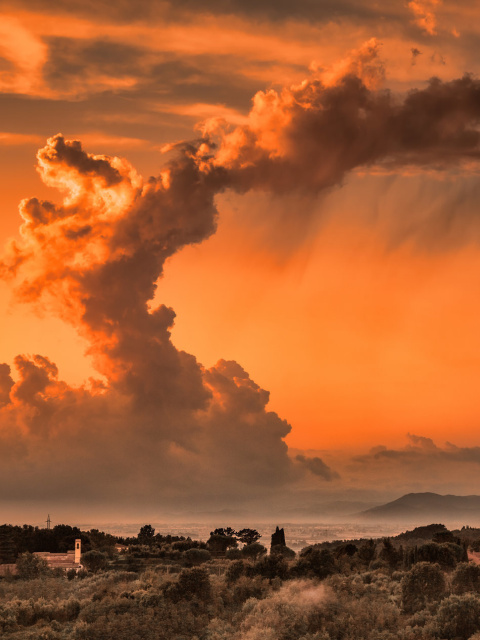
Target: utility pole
{"type": "Point", "coordinates": [48, 522]}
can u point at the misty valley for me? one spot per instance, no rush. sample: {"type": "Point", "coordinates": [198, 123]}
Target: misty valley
{"type": "Point", "coordinates": [421, 584]}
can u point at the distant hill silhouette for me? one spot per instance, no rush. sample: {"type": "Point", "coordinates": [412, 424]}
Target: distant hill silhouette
{"type": "Point", "coordinates": [426, 507]}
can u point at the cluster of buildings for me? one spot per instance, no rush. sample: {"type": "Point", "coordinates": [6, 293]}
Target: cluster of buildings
{"type": "Point", "coordinates": [65, 561]}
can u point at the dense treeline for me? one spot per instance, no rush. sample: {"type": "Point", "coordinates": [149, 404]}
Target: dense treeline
{"type": "Point", "coordinates": [179, 589]}
{"type": "Point", "coordinates": [15, 540]}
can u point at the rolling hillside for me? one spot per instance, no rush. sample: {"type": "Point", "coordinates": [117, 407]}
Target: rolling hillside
{"type": "Point", "coordinates": [427, 507]}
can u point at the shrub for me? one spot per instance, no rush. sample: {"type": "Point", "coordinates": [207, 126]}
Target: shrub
{"type": "Point", "coordinates": [466, 578]}
{"type": "Point", "coordinates": [196, 556]}
{"type": "Point", "coordinates": [315, 562]}
{"type": "Point", "coordinates": [191, 583]}
{"type": "Point", "coordinates": [94, 560]}
{"type": "Point", "coordinates": [235, 570]}
{"type": "Point", "coordinates": [424, 583]}
{"type": "Point", "coordinates": [446, 555]}
{"type": "Point", "coordinates": [390, 554]}
{"type": "Point", "coordinates": [271, 567]}
{"type": "Point", "coordinates": [459, 616]}
{"type": "Point", "coordinates": [218, 544]}
{"type": "Point", "coordinates": [30, 566]}
{"type": "Point", "coordinates": [285, 552]}
{"type": "Point", "coordinates": [254, 550]}
{"type": "Point", "coordinates": [367, 551]}
{"type": "Point", "coordinates": [347, 549]}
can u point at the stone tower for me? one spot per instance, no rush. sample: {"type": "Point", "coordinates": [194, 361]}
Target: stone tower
{"type": "Point", "coordinates": [78, 550]}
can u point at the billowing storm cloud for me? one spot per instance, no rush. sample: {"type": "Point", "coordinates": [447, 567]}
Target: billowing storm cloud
{"type": "Point", "coordinates": [310, 136]}
{"type": "Point", "coordinates": [157, 421]}
{"type": "Point", "coordinates": [157, 427]}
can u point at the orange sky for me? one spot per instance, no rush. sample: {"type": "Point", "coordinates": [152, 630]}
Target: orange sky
{"type": "Point", "coordinates": [349, 292]}
{"type": "Point", "coordinates": [357, 342]}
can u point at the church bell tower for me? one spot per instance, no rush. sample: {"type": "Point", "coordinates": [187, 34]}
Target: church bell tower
{"type": "Point", "coordinates": [78, 550]}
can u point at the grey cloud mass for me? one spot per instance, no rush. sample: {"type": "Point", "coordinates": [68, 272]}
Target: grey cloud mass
{"type": "Point", "coordinates": [330, 131]}
{"type": "Point", "coordinates": [125, 11]}
{"type": "Point", "coordinates": [421, 449]}
{"type": "Point", "coordinates": [317, 466]}
{"type": "Point", "coordinates": [158, 427]}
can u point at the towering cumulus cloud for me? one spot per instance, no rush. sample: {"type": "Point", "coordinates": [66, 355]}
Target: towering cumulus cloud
{"type": "Point", "coordinates": [161, 426]}
{"type": "Point", "coordinates": [157, 427]}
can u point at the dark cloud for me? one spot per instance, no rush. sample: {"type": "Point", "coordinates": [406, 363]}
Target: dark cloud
{"type": "Point", "coordinates": [421, 450]}
{"type": "Point", "coordinates": [421, 442]}
{"type": "Point", "coordinates": [327, 131]}
{"type": "Point", "coordinates": [420, 465]}
{"type": "Point", "coordinates": [72, 157]}
{"type": "Point", "coordinates": [161, 429]}
{"type": "Point", "coordinates": [317, 467]}
{"type": "Point", "coordinates": [415, 53]}
{"type": "Point", "coordinates": [6, 384]}
{"type": "Point", "coordinates": [36, 212]}
{"type": "Point", "coordinates": [124, 91]}
{"type": "Point", "coordinates": [69, 58]}
{"type": "Point", "coordinates": [84, 67]}
{"type": "Point", "coordinates": [201, 78]}
{"type": "Point", "coordinates": [142, 10]}
{"type": "Point", "coordinates": [283, 10]}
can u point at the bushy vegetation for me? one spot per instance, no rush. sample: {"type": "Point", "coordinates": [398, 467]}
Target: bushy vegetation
{"type": "Point", "coordinates": [161, 588]}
